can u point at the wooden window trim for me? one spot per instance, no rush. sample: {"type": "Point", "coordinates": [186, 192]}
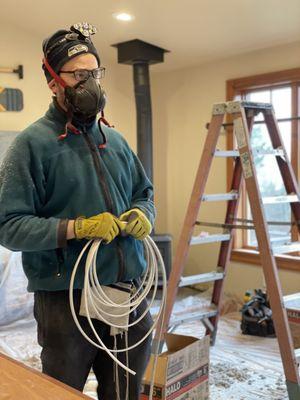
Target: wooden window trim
{"type": "Point", "coordinates": [252, 257]}
{"type": "Point", "coordinates": [239, 86]}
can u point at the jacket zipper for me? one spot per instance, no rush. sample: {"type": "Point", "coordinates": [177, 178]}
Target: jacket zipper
{"type": "Point", "coordinates": [107, 198]}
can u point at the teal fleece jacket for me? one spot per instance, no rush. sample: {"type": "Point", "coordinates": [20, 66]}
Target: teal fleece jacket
{"type": "Point", "coordinates": [45, 181]}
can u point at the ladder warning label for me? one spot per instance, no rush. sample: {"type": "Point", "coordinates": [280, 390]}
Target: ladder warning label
{"type": "Point", "coordinates": [239, 132]}
{"type": "Point", "coordinates": [245, 160]}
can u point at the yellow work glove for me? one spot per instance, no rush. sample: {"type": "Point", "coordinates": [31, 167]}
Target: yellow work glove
{"type": "Point", "coordinates": [137, 225]}
{"type": "Point", "coordinates": [102, 226]}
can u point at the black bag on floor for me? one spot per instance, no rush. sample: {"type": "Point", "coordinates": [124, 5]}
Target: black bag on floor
{"type": "Point", "coordinates": [257, 316]}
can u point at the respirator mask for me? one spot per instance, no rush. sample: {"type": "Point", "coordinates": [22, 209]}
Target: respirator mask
{"type": "Point", "coordinates": [86, 99]}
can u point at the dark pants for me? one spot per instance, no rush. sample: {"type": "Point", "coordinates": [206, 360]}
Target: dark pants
{"type": "Point", "coordinates": [67, 356]}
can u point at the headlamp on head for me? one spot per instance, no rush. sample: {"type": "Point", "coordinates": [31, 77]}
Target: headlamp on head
{"type": "Point", "coordinates": [64, 44]}
{"type": "Point", "coordinates": [84, 30]}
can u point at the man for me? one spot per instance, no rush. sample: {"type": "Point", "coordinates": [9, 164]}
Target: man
{"type": "Point", "coordinates": [68, 178]}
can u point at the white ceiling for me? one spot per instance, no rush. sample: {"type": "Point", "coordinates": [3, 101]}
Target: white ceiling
{"type": "Point", "coordinates": [195, 31]}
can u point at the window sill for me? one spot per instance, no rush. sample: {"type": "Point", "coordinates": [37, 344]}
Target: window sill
{"type": "Point", "coordinates": [250, 256]}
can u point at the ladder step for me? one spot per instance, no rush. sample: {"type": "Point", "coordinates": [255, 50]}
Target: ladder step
{"type": "Point", "coordinates": [200, 278]}
{"type": "Point", "coordinates": [255, 152]}
{"type": "Point", "coordinates": [236, 106]}
{"type": "Point", "coordinates": [210, 239]}
{"type": "Point", "coordinates": [268, 152]}
{"type": "Point", "coordinates": [227, 153]}
{"type": "Point", "coordinates": [297, 354]}
{"type": "Point", "coordinates": [259, 105]}
{"type": "Point", "coordinates": [291, 198]}
{"type": "Point", "coordinates": [286, 248]}
{"type": "Point", "coordinates": [209, 312]}
{"type": "Point", "coordinates": [220, 197]}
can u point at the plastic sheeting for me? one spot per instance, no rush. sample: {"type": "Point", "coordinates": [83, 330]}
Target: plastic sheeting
{"type": "Point", "coordinates": [16, 302]}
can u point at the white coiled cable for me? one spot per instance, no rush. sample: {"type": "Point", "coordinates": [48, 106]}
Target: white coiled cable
{"type": "Point", "coordinates": [95, 298]}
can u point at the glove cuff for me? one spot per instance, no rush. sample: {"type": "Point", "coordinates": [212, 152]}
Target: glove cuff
{"type": "Point", "coordinates": [79, 227]}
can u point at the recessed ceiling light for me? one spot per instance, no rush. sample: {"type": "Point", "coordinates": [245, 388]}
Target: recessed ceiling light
{"type": "Point", "coordinates": [123, 16]}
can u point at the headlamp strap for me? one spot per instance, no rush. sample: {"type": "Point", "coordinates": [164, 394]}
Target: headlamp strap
{"type": "Point", "coordinates": [53, 73]}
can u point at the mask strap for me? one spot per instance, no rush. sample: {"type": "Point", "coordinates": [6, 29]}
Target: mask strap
{"type": "Point", "coordinates": [103, 145]}
{"type": "Point", "coordinates": [69, 126]}
{"type": "Point", "coordinates": [102, 119]}
{"type": "Point", "coordinates": [105, 122]}
{"type": "Point", "coordinates": [53, 73]}
{"type": "Point", "coordinates": [58, 79]}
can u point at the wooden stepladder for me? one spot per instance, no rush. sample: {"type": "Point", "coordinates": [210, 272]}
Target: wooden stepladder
{"type": "Point", "coordinates": [243, 114]}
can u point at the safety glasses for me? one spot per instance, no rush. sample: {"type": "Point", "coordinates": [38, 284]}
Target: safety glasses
{"type": "Point", "coordinates": [84, 74]}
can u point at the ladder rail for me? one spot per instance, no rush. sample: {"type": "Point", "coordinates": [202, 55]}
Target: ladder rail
{"type": "Point", "coordinates": [264, 243]}
{"type": "Point", "coordinates": [226, 247]}
{"type": "Point", "coordinates": [190, 218]}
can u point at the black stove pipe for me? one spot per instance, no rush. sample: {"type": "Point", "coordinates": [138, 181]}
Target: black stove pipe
{"type": "Point", "coordinates": [143, 116]}
{"type": "Point", "coordinates": [140, 55]}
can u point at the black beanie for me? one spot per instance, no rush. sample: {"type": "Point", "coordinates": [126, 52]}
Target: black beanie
{"type": "Point", "coordinates": [64, 45]}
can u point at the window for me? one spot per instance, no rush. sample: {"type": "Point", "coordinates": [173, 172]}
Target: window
{"type": "Point", "coordinates": [282, 90]}
{"type": "Point", "coordinates": [268, 173]}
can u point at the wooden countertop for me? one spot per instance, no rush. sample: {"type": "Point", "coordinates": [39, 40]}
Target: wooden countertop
{"type": "Point", "coordinates": [17, 381]}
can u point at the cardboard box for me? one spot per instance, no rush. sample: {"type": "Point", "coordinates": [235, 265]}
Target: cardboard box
{"type": "Point", "coordinates": [292, 304]}
{"type": "Point", "coordinates": [181, 372]}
